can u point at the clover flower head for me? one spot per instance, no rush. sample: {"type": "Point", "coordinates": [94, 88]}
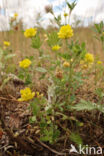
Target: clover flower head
{"type": "Point", "coordinates": [56, 48]}
{"type": "Point", "coordinates": [15, 15]}
{"type": "Point", "coordinates": [66, 64]}
{"type": "Point", "coordinates": [85, 66]}
{"type": "Point", "coordinates": [49, 9]}
{"type": "Point", "coordinates": [89, 58]}
{"type": "Point", "coordinates": [25, 63]}
{"type": "Point", "coordinates": [38, 95]}
{"type": "Point", "coordinates": [65, 14]}
{"type": "Point", "coordinates": [99, 62]}
{"type": "Point", "coordinates": [46, 37]}
{"type": "Point", "coordinates": [65, 32]}
{"type": "Point", "coordinates": [59, 74]}
{"type": "Point", "coordinates": [6, 43]}
{"type": "Point", "coordinates": [26, 94]}
{"type": "Point", "coordinates": [87, 62]}
{"type": "Point", "coordinates": [30, 32]}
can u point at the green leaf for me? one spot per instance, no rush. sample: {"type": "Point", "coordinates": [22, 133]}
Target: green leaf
{"type": "Point", "coordinates": [65, 55]}
{"type": "Point", "coordinates": [53, 39]}
{"type": "Point", "coordinates": [71, 5]}
{"type": "Point", "coordinates": [99, 92]}
{"type": "Point", "coordinates": [40, 69]}
{"type": "Point", "coordinates": [45, 138]}
{"type": "Point", "coordinates": [31, 58]}
{"type": "Point", "coordinates": [35, 107]}
{"type": "Point", "coordinates": [33, 118]}
{"type": "Point", "coordinates": [21, 75]}
{"type": "Point", "coordinates": [75, 137]}
{"type": "Point", "coordinates": [9, 56]}
{"type": "Point", "coordinates": [85, 105]}
{"type": "Point", "coordinates": [99, 27]}
{"type": "Point", "coordinates": [58, 19]}
{"type": "Point", "coordinates": [42, 76]}
{"type": "Point", "coordinates": [28, 79]}
{"type": "Point", "coordinates": [78, 49]}
{"type": "Point", "coordinates": [36, 43]}
{"type": "Point", "coordinates": [72, 98]}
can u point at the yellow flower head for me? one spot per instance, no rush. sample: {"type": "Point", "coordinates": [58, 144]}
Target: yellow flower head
{"type": "Point", "coordinates": [6, 43]}
{"type": "Point", "coordinates": [56, 47]}
{"type": "Point", "coordinates": [65, 32]}
{"type": "Point", "coordinates": [26, 94]}
{"type": "Point", "coordinates": [30, 32]}
{"type": "Point", "coordinates": [82, 62]}
{"type": "Point", "coordinates": [25, 63]}
{"type": "Point", "coordinates": [46, 37]}
{"type": "Point", "coordinates": [65, 14]}
{"type": "Point", "coordinates": [15, 15]}
{"type": "Point", "coordinates": [89, 58]}
{"type": "Point", "coordinates": [99, 62]}
{"type": "Point", "coordinates": [66, 64]}
{"type": "Point", "coordinates": [85, 66]}
{"type": "Point", "coordinates": [87, 62]}
{"type": "Point", "coordinates": [38, 95]}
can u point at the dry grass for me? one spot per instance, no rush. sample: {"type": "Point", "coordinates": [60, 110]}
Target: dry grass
{"type": "Point", "coordinates": [87, 35]}
{"type": "Point", "coordinates": [21, 45]}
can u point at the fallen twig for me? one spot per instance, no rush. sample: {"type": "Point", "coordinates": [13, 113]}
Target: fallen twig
{"type": "Point", "coordinates": [2, 98]}
{"type": "Point", "coordinates": [49, 148]}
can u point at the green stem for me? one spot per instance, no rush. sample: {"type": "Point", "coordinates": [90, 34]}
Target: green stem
{"type": "Point", "coordinates": [40, 52]}
{"type": "Point", "coordinates": [95, 76]}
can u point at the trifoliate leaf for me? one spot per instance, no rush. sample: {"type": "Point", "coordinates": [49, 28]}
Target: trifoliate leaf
{"type": "Point", "coordinates": [40, 69]}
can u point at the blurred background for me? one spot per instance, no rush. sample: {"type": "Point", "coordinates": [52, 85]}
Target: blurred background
{"type": "Point", "coordinates": [48, 15]}
{"type": "Point", "coordinates": [33, 12]}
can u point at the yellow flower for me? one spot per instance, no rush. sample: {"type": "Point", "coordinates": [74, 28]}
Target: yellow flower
{"type": "Point", "coordinates": [66, 64]}
{"type": "Point", "coordinates": [6, 43]}
{"type": "Point", "coordinates": [82, 62]}
{"type": "Point", "coordinates": [15, 15]}
{"type": "Point", "coordinates": [65, 32]}
{"type": "Point", "coordinates": [71, 60]}
{"type": "Point", "coordinates": [85, 66]}
{"type": "Point", "coordinates": [99, 62]}
{"type": "Point", "coordinates": [38, 95]}
{"type": "Point", "coordinates": [26, 94]}
{"type": "Point", "coordinates": [46, 37]}
{"type": "Point", "coordinates": [89, 58]}
{"type": "Point", "coordinates": [87, 62]}
{"type": "Point", "coordinates": [25, 63]}
{"type": "Point", "coordinates": [65, 14]}
{"type": "Point", "coordinates": [30, 32]}
{"type": "Point", "coordinates": [56, 47]}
